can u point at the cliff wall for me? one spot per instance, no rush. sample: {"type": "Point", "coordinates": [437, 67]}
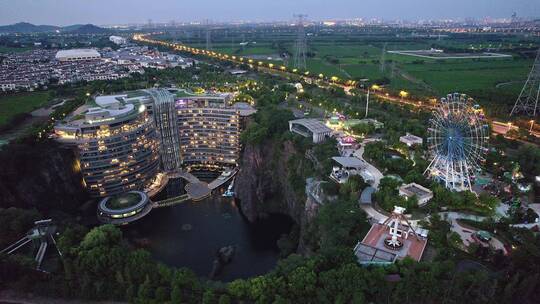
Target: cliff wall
{"type": "Point", "coordinates": [41, 175]}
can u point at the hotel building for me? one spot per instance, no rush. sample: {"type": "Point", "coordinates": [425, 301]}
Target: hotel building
{"type": "Point", "coordinates": [124, 140]}
{"type": "Point", "coordinates": [209, 131]}
{"type": "Point", "coordinates": [116, 144]}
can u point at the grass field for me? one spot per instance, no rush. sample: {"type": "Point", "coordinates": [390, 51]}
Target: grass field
{"type": "Point", "coordinates": [469, 76]}
{"type": "Point", "coordinates": [347, 57]}
{"type": "Point", "coordinates": [12, 105]}
{"type": "Point", "coordinates": [4, 49]}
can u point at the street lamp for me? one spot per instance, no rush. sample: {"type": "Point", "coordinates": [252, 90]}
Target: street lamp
{"type": "Point", "coordinates": [403, 94]}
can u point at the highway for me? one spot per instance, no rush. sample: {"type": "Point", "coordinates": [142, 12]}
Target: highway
{"type": "Point", "coordinates": [498, 127]}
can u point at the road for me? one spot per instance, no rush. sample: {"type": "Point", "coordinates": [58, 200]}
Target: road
{"type": "Point", "coordinates": [466, 233]}
{"type": "Point", "coordinates": [323, 81]}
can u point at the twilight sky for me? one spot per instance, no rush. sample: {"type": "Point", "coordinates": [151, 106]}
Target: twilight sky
{"type": "Point", "coordinates": [64, 12]}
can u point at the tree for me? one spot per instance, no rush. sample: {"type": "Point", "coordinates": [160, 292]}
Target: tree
{"type": "Point", "coordinates": [208, 297]}
{"type": "Point", "coordinates": [176, 294]}
{"type": "Point", "coordinates": [105, 235]}
{"type": "Point", "coordinates": [224, 299]}
{"type": "Point", "coordinates": [145, 290]}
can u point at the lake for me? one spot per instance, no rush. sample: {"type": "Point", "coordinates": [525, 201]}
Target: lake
{"type": "Point", "coordinates": [190, 234]}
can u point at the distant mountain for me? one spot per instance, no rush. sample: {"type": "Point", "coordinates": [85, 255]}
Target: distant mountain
{"type": "Point", "coordinates": [84, 29]}
{"type": "Point", "coordinates": [25, 27]}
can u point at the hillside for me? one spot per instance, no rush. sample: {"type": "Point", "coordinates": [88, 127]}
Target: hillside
{"type": "Point", "coordinates": [25, 27]}
{"type": "Point", "coordinates": [84, 29]}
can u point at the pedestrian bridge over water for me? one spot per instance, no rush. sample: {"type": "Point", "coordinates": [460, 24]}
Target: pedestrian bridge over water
{"type": "Point", "coordinates": [196, 190]}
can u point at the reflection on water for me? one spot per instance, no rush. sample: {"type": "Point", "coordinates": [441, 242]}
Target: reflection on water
{"type": "Point", "coordinates": [189, 235]}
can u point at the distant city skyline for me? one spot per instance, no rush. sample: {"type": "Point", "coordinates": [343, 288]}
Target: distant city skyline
{"type": "Point", "coordinates": [107, 12]}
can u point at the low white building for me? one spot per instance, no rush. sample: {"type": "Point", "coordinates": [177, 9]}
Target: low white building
{"type": "Point", "coordinates": [118, 40]}
{"type": "Point", "coordinates": [422, 193]}
{"type": "Point", "coordinates": [411, 140]}
{"type": "Point", "coordinates": [308, 127]}
{"type": "Point", "coordinates": [77, 55]}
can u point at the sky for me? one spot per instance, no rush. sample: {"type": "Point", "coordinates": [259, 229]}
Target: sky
{"type": "Point", "coordinates": [106, 12]}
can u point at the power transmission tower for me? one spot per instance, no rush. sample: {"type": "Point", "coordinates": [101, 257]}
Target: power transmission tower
{"type": "Point", "coordinates": [301, 44]}
{"type": "Point", "coordinates": [527, 102]}
{"type": "Point", "coordinates": [208, 36]}
{"type": "Point", "coordinates": [383, 58]}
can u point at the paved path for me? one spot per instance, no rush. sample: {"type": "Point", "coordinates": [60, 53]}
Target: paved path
{"type": "Point", "coordinates": [465, 233]}
{"type": "Point", "coordinates": [359, 153]}
{"type": "Point", "coordinates": [218, 182]}
{"type": "Point", "coordinates": [377, 176]}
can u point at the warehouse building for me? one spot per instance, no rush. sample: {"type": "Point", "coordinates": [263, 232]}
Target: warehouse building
{"type": "Point", "coordinates": [77, 55]}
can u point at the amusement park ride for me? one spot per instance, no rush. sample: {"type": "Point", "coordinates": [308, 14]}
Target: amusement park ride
{"type": "Point", "coordinates": [457, 142]}
{"type": "Point", "coordinates": [398, 227]}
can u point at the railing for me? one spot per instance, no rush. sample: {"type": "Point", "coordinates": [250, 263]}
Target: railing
{"type": "Point", "coordinates": [172, 201]}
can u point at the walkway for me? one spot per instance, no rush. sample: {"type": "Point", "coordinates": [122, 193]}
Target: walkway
{"type": "Point", "coordinates": [185, 175]}
{"type": "Point", "coordinates": [221, 180]}
{"type": "Point", "coordinates": [465, 233]}
{"type": "Point", "coordinates": [172, 201]}
{"type": "Point", "coordinates": [365, 201]}
{"type": "Point", "coordinates": [359, 153]}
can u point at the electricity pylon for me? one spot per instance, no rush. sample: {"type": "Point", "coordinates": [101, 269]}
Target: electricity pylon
{"type": "Point", "coordinates": [301, 44]}
{"type": "Point", "coordinates": [527, 102]}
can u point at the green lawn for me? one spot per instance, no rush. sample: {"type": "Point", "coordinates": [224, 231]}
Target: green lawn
{"type": "Point", "coordinates": [468, 76]}
{"type": "Point", "coordinates": [11, 105]}
{"type": "Point", "coordinates": [5, 49]}
{"type": "Point", "coordinates": [421, 76]}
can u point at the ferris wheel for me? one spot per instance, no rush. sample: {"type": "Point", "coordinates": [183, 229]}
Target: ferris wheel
{"type": "Point", "coordinates": [457, 142]}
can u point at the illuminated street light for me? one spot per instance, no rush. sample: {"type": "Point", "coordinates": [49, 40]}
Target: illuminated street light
{"type": "Point", "coordinates": [403, 94]}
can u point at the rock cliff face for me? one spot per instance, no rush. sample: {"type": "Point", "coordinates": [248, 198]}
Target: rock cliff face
{"type": "Point", "coordinates": [263, 186]}
{"type": "Point", "coordinates": [40, 175]}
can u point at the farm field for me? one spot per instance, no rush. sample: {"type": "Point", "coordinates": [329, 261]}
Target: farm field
{"type": "Point", "coordinates": [358, 55]}
{"type": "Point", "coordinates": [12, 105]}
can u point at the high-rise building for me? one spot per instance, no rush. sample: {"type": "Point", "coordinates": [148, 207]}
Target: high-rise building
{"type": "Point", "coordinates": [121, 139]}
{"type": "Point", "coordinates": [209, 130]}
{"type": "Point", "coordinates": [116, 144]}
{"type": "Point", "coordinates": [166, 120]}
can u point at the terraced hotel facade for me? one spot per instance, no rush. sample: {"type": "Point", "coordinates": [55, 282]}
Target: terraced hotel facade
{"type": "Point", "coordinates": [123, 141]}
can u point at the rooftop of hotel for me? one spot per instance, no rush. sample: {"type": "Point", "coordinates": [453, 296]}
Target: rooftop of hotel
{"type": "Point", "coordinates": [103, 109]}
{"type": "Point", "coordinates": [183, 93]}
